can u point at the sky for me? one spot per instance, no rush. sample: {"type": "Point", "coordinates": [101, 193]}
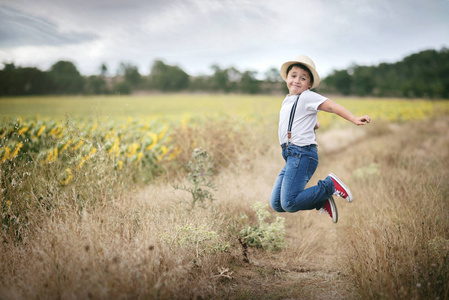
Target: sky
{"type": "Point", "coordinates": [196, 34]}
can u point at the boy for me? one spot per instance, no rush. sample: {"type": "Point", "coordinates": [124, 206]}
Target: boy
{"type": "Point", "coordinates": [297, 124]}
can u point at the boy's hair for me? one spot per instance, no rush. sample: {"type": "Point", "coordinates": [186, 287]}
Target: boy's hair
{"type": "Point", "coordinates": [302, 67]}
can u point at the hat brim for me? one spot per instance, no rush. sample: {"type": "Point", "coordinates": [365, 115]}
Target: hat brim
{"type": "Point", "coordinates": [316, 77]}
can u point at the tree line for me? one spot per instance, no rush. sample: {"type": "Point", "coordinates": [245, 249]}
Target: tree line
{"type": "Point", "coordinates": [64, 78]}
{"type": "Point", "coordinates": [424, 74]}
{"type": "Point", "coordinates": [420, 75]}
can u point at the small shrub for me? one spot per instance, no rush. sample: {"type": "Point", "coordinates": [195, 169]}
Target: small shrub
{"type": "Point", "coordinates": [267, 236]}
{"type": "Point", "coordinates": [199, 172]}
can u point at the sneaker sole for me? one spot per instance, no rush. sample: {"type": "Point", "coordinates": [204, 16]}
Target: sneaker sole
{"type": "Point", "coordinates": [334, 209]}
{"type": "Point", "coordinates": [349, 198]}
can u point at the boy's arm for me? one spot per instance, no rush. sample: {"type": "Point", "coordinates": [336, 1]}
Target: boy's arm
{"type": "Point", "coordinates": [332, 107]}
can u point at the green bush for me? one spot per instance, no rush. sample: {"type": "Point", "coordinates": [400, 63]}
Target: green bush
{"type": "Point", "coordinates": [267, 236]}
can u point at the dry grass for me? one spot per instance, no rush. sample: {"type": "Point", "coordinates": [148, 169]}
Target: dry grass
{"type": "Point", "coordinates": [399, 236]}
{"type": "Point", "coordinates": [390, 243]}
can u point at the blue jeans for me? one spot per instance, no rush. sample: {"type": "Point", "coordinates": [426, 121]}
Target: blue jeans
{"type": "Point", "coordinates": [288, 193]}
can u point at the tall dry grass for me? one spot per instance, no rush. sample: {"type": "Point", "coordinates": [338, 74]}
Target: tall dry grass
{"type": "Point", "coordinates": [134, 247]}
{"type": "Point", "coordinates": [399, 233]}
{"type": "Point", "coordinates": [123, 241]}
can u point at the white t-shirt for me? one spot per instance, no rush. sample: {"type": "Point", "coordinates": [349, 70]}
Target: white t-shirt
{"type": "Point", "coordinates": [303, 132]}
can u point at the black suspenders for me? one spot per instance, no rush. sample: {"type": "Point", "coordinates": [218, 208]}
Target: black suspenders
{"type": "Point", "coordinates": [290, 122]}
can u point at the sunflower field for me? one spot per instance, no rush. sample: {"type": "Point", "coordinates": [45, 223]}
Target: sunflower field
{"type": "Point", "coordinates": [128, 144]}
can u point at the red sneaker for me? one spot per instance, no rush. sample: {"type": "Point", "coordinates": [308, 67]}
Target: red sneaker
{"type": "Point", "coordinates": [331, 209]}
{"type": "Point", "coordinates": [341, 190]}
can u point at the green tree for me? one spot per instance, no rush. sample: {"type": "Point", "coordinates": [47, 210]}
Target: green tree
{"type": "Point", "coordinates": [362, 80]}
{"type": "Point", "coordinates": [220, 80]}
{"type": "Point", "coordinates": [225, 80]}
{"type": "Point", "coordinates": [96, 85]}
{"type": "Point", "coordinates": [131, 74]}
{"type": "Point", "coordinates": [122, 88]}
{"type": "Point", "coordinates": [103, 69]}
{"type": "Point", "coordinates": [249, 83]}
{"type": "Point", "coordinates": [23, 81]}
{"type": "Point", "coordinates": [272, 75]}
{"type": "Point", "coordinates": [200, 83]}
{"type": "Point", "coordinates": [168, 78]}
{"type": "Point", "coordinates": [340, 80]}
{"type": "Point", "coordinates": [7, 79]}
{"type": "Point", "coordinates": [65, 78]}
{"type": "Point", "coordinates": [273, 81]}
{"type": "Point", "coordinates": [31, 81]}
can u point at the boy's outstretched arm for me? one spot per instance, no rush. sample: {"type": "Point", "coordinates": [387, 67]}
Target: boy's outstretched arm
{"type": "Point", "coordinates": [332, 107]}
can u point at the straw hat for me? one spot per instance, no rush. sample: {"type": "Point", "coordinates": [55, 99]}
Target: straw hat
{"type": "Point", "coordinates": [306, 61]}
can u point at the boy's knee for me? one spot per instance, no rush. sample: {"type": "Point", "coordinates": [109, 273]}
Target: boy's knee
{"type": "Point", "coordinates": [288, 206]}
{"type": "Point", "coordinates": [276, 207]}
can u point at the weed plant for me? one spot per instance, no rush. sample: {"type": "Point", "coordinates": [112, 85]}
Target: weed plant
{"type": "Point", "coordinates": [264, 235]}
{"type": "Point", "coordinates": [199, 171]}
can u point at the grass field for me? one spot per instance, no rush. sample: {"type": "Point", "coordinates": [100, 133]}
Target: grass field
{"type": "Point", "coordinates": [176, 105]}
{"type": "Point", "coordinates": [160, 106]}
{"type": "Point", "coordinates": [119, 221]}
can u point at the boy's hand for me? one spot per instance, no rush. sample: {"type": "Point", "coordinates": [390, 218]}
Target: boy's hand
{"type": "Point", "coordinates": [362, 120]}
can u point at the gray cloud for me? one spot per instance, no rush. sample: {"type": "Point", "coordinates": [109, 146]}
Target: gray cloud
{"type": "Point", "coordinates": [198, 33]}
{"type": "Point", "coordinates": [19, 29]}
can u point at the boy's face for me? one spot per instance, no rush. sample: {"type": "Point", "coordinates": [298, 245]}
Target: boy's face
{"type": "Point", "coordinates": [298, 80]}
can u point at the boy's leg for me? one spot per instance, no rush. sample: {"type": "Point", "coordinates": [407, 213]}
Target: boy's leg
{"type": "Point", "coordinates": [313, 197]}
{"type": "Point", "coordinates": [298, 172]}
{"type": "Point", "coordinates": [275, 199]}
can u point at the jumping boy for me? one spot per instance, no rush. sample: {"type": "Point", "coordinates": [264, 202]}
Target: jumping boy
{"type": "Point", "coordinates": [297, 124]}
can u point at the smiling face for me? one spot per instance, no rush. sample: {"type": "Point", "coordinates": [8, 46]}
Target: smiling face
{"type": "Point", "coordinates": [298, 80]}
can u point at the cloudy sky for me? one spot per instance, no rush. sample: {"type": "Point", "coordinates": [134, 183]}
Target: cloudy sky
{"type": "Point", "coordinates": [194, 34]}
